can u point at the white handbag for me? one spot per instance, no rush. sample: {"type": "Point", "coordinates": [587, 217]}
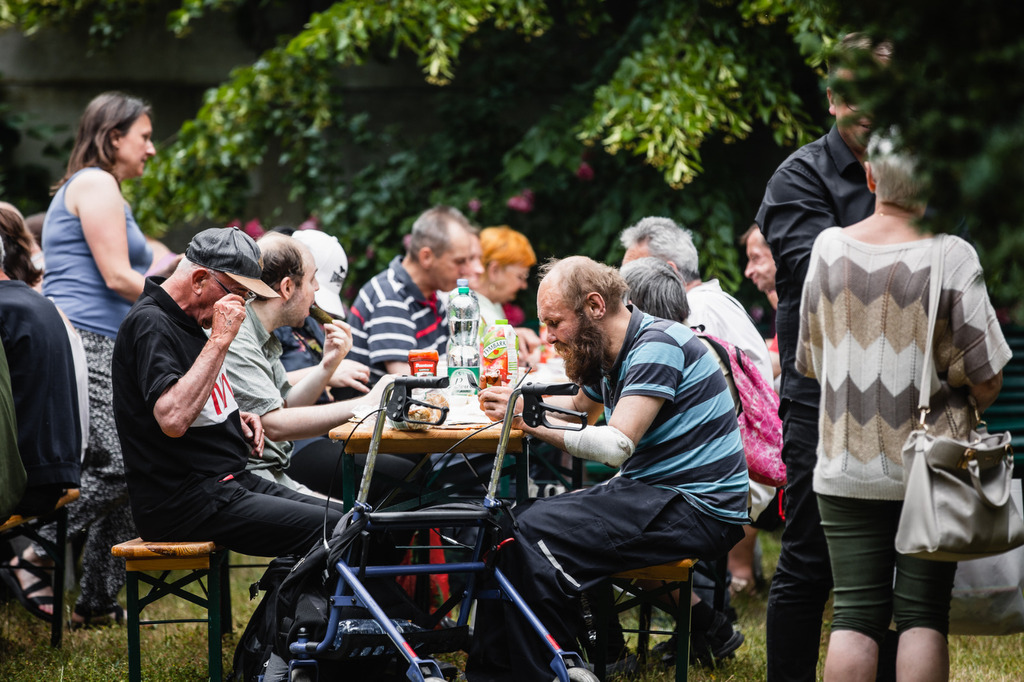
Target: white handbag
{"type": "Point", "coordinates": [956, 503]}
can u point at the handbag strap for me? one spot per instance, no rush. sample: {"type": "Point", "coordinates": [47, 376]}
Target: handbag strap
{"type": "Point", "coordinates": [934, 291]}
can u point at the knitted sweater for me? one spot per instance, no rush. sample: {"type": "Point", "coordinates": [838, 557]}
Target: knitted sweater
{"type": "Point", "coordinates": [863, 325]}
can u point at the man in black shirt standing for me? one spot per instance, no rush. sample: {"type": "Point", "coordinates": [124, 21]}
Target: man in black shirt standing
{"type": "Point", "coordinates": [821, 185]}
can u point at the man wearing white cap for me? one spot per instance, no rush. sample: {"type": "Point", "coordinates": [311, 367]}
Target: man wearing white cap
{"type": "Point", "coordinates": [184, 438]}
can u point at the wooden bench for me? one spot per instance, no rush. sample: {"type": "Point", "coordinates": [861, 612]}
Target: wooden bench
{"type": "Point", "coordinates": [28, 527]}
{"type": "Point", "coordinates": [201, 561]}
{"type": "Point", "coordinates": [674, 575]}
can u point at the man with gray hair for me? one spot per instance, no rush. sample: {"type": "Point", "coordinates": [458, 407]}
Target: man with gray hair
{"type": "Point", "coordinates": [184, 438]}
{"type": "Point", "coordinates": [717, 312]}
{"type": "Point", "coordinates": [661, 290]}
{"type": "Point", "coordinates": [399, 309]}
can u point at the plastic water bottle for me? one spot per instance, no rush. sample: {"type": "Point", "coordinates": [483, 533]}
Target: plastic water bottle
{"type": "Point", "coordinates": [463, 282]}
{"type": "Point", "coordinates": [463, 315]}
{"type": "Point", "coordinates": [463, 341]}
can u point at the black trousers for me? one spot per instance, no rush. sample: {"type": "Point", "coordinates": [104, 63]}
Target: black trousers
{"type": "Point", "coordinates": [803, 578]}
{"type": "Point", "coordinates": [317, 466]}
{"type": "Point", "coordinates": [567, 544]}
{"type": "Point", "coordinates": [263, 518]}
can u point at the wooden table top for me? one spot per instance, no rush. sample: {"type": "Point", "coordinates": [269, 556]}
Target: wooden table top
{"type": "Point", "coordinates": [398, 442]}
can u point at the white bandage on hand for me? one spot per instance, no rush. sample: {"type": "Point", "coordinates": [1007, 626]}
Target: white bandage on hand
{"type": "Point", "coordinates": [605, 444]}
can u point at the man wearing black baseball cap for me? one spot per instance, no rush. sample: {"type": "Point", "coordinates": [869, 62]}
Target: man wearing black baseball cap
{"type": "Point", "coordinates": [185, 441]}
{"type": "Point", "coordinates": [233, 253]}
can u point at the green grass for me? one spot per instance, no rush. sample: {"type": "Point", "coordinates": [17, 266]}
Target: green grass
{"type": "Point", "coordinates": [170, 653]}
{"type": "Point", "coordinates": [177, 653]}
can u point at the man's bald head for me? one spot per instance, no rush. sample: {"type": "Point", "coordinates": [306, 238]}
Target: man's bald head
{"type": "Point", "coordinates": [575, 277]}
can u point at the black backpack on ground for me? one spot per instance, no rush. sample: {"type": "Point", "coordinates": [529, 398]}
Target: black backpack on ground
{"type": "Point", "coordinates": [298, 592]}
{"type": "Point", "coordinates": [297, 595]}
{"type": "Point", "coordinates": [257, 641]}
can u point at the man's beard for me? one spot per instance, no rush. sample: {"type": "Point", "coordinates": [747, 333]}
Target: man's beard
{"type": "Point", "coordinates": [584, 356]}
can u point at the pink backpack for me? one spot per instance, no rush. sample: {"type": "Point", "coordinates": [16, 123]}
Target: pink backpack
{"type": "Point", "coordinates": [757, 413]}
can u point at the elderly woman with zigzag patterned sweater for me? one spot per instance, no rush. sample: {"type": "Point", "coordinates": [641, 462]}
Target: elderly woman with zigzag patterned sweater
{"type": "Point", "coordinates": [863, 324]}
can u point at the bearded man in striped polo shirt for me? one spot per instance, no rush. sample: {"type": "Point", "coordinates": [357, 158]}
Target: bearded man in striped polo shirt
{"type": "Point", "coordinates": [670, 428]}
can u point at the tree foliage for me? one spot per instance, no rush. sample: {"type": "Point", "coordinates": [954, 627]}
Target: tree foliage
{"type": "Point", "coordinates": [106, 21]}
{"type": "Point", "coordinates": [955, 89]}
{"type": "Point", "coordinates": [26, 185]}
{"type": "Point", "coordinates": [702, 69]}
{"type": "Point", "coordinates": [600, 112]}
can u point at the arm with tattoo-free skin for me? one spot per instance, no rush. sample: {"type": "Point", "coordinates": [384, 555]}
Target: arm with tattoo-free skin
{"type": "Point", "coordinates": [179, 406]}
{"type": "Point", "coordinates": [252, 430]}
{"type": "Point", "coordinates": [632, 416]}
{"type": "Point", "coordinates": [349, 374]}
{"type": "Point", "coordinates": [95, 197]}
{"type": "Point", "coordinates": [337, 343]}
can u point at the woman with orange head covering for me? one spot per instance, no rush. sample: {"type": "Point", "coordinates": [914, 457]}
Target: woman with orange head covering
{"type": "Point", "coordinates": [507, 259]}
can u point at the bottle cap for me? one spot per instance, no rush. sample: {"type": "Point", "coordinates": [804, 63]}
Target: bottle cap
{"type": "Point", "coordinates": [463, 289]}
{"type": "Point", "coordinates": [462, 282]}
{"type": "Point", "coordinates": [501, 322]}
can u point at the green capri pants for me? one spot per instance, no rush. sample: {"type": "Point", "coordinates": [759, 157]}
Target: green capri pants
{"type": "Point", "coordinates": [861, 537]}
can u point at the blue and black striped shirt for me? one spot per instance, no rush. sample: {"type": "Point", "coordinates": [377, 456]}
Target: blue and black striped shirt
{"type": "Point", "coordinates": [693, 446]}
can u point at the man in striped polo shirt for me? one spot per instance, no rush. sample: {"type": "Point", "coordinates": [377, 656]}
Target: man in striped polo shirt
{"type": "Point", "coordinates": [670, 427]}
{"type": "Point", "coordinates": [398, 310]}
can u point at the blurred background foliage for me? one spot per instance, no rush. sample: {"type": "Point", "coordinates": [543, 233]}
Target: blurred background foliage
{"type": "Point", "coordinates": [956, 91]}
{"type": "Point", "coordinates": [571, 119]}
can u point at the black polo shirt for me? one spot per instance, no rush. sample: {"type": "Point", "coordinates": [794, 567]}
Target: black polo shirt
{"type": "Point", "coordinates": [173, 483]}
{"type": "Point", "coordinates": [820, 185]}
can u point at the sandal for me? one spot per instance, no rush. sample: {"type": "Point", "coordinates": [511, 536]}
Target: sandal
{"type": "Point", "coordinates": [43, 581]}
{"type": "Point", "coordinates": [95, 619]}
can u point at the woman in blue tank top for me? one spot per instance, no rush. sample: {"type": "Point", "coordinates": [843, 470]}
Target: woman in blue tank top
{"type": "Point", "coordinates": [96, 257]}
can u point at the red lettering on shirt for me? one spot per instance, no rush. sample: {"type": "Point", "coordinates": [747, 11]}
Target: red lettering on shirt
{"type": "Point", "coordinates": [221, 388]}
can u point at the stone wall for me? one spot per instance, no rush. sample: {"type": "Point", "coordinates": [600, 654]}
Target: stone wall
{"type": "Point", "coordinates": [52, 75]}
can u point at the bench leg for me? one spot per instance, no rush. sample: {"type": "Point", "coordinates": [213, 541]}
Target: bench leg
{"type": "Point", "coordinates": [134, 645]}
{"type": "Point", "coordinates": [59, 555]}
{"type": "Point", "coordinates": [683, 629]}
{"type": "Point", "coordinates": [214, 608]}
{"type": "Point", "coordinates": [226, 621]}
{"type": "Point", "coordinates": [643, 637]}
